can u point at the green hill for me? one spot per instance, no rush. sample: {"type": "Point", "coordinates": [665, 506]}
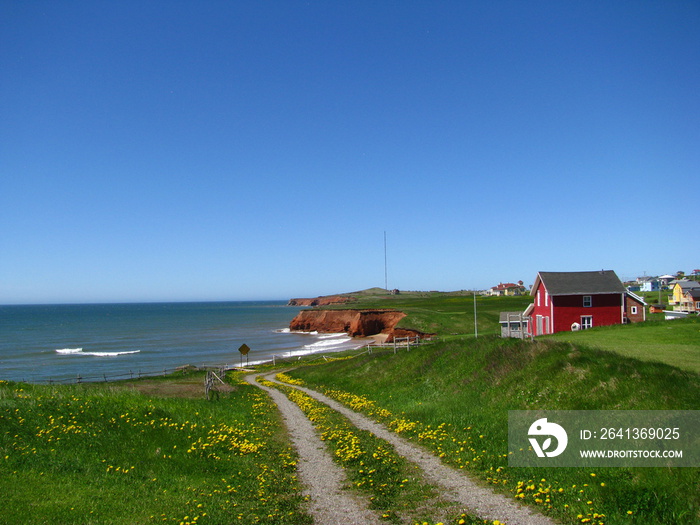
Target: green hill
{"type": "Point", "coordinates": [460, 391]}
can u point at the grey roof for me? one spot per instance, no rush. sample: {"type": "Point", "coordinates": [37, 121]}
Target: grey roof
{"type": "Point", "coordinates": [694, 293]}
{"type": "Point", "coordinates": [687, 285]}
{"type": "Point", "coordinates": [503, 316]}
{"type": "Point", "coordinates": [581, 283]}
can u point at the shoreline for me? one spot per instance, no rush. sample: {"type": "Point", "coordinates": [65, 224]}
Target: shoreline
{"type": "Point", "coordinates": [373, 340]}
{"type": "Point", "coordinates": [114, 342]}
{"type": "Point", "coordinates": [323, 344]}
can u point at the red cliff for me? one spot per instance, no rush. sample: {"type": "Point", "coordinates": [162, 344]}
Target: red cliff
{"type": "Point", "coordinates": [356, 323]}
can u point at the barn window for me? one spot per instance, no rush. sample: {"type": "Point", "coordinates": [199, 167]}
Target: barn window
{"type": "Point", "coordinates": [587, 301]}
{"type": "Point", "coordinates": [633, 309]}
{"type": "Point", "coordinates": [586, 322]}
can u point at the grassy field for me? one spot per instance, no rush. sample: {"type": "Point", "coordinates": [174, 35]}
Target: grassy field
{"type": "Point", "coordinates": [443, 313]}
{"type": "Point", "coordinates": [676, 342]}
{"type": "Point", "coordinates": [453, 397]}
{"type": "Point", "coordinates": [116, 454]}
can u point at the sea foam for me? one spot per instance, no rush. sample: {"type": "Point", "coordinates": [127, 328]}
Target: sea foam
{"type": "Point", "coordinates": [327, 341]}
{"type": "Point", "coordinates": [79, 351]}
{"type": "Point", "coordinates": [69, 351]}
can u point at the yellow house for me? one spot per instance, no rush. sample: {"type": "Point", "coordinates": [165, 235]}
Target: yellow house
{"type": "Point", "coordinates": [680, 289]}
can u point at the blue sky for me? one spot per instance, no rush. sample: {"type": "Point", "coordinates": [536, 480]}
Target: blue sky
{"type": "Point", "coordinates": [259, 150]}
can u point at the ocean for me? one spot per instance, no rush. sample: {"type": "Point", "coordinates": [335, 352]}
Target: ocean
{"type": "Point", "coordinates": [97, 342]}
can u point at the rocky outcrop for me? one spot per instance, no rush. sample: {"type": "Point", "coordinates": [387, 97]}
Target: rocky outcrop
{"type": "Point", "coordinates": [321, 301]}
{"type": "Point", "coordinates": [356, 323]}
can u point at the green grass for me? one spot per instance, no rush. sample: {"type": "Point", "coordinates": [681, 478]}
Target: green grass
{"type": "Point", "coordinates": [453, 397]}
{"type": "Point", "coordinates": [442, 313]}
{"type": "Point", "coordinates": [448, 314]}
{"type": "Point", "coordinates": [676, 342]}
{"type": "Point", "coordinates": [108, 454]}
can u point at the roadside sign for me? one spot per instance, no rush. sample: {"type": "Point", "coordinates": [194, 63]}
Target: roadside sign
{"type": "Point", "coordinates": [244, 349]}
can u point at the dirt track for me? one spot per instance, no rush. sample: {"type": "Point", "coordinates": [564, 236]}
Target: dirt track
{"type": "Point", "coordinates": [331, 504]}
{"type": "Point", "coordinates": [323, 479]}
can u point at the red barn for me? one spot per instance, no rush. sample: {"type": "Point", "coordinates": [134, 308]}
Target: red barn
{"type": "Point", "coordinates": [565, 301]}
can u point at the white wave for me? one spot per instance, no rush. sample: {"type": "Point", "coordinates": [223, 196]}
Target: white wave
{"type": "Point", "coordinates": [79, 351]}
{"type": "Point", "coordinates": [69, 351]}
{"type": "Point", "coordinates": [323, 342]}
{"type": "Point", "coordinates": [111, 354]}
{"type": "Point", "coordinates": [328, 342]}
{"type": "Point", "coordinates": [333, 336]}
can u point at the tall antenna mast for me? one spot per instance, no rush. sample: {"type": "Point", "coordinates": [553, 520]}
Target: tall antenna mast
{"type": "Point", "coordinates": [386, 280]}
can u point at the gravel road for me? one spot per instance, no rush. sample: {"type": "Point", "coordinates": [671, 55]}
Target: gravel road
{"type": "Point", "coordinates": [323, 479]}
{"type": "Point", "coordinates": [329, 501]}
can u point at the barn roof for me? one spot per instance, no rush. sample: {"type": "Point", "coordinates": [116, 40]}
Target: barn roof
{"type": "Point", "coordinates": [580, 283]}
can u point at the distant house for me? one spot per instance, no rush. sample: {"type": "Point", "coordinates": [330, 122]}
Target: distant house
{"type": "Point", "coordinates": [690, 301]}
{"type": "Point", "coordinates": [694, 299]}
{"type": "Point", "coordinates": [666, 279]}
{"type": "Point", "coordinates": [507, 289]}
{"type": "Point", "coordinates": [566, 301]}
{"type": "Point", "coordinates": [680, 300]}
{"type": "Point", "coordinates": [648, 284]}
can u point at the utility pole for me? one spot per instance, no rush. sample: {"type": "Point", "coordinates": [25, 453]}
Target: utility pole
{"type": "Point", "coordinates": [476, 330]}
{"type": "Point", "coordinates": [386, 280]}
